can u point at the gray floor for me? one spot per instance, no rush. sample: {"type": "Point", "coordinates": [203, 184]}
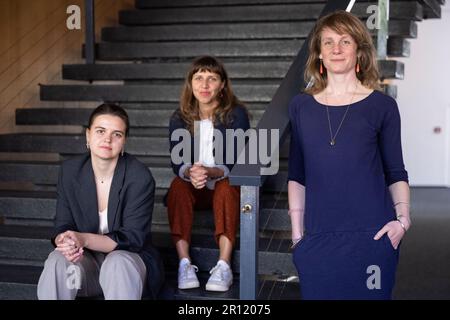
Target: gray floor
{"type": "Point", "coordinates": [424, 267]}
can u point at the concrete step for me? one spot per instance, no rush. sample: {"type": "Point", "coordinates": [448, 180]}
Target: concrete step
{"type": "Point", "coordinates": [431, 8]}
{"type": "Point", "coordinates": [269, 69]}
{"type": "Point", "coordinates": [20, 283]}
{"type": "Point", "coordinates": [146, 4]}
{"type": "Point", "coordinates": [272, 69]}
{"type": "Point", "coordinates": [268, 289]}
{"type": "Point", "coordinates": [237, 49]}
{"type": "Point", "coordinates": [256, 92]}
{"type": "Point", "coordinates": [191, 49]}
{"type": "Point", "coordinates": [75, 144]}
{"type": "Point", "coordinates": [261, 12]}
{"type": "Point", "coordinates": [34, 208]}
{"type": "Point", "coordinates": [235, 31]}
{"type": "Point", "coordinates": [44, 173]}
{"type": "Point", "coordinates": [21, 245]}
{"type": "Point", "coordinates": [140, 118]}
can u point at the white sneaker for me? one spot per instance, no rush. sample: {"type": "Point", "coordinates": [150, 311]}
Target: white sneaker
{"type": "Point", "coordinates": [187, 279]}
{"type": "Point", "coordinates": [221, 277]}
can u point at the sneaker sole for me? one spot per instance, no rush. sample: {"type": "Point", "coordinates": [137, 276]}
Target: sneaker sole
{"type": "Point", "coordinates": [217, 288]}
{"type": "Point", "coordinates": [190, 285]}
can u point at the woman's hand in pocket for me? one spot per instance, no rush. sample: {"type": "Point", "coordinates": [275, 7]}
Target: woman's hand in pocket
{"type": "Point", "coordinates": [394, 232]}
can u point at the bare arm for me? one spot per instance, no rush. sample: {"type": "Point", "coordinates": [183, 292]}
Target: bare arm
{"type": "Point", "coordinates": [400, 196]}
{"type": "Point", "coordinates": [396, 230]}
{"type": "Point", "coordinates": [296, 196]}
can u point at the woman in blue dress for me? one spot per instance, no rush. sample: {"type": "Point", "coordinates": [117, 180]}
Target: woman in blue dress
{"type": "Point", "coordinates": [348, 188]}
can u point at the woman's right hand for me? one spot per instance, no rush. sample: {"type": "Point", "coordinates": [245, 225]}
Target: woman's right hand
{"type": "Point", "coordinates": [67, 246]}
{"type": "Point", "coordinates": [198, 175]}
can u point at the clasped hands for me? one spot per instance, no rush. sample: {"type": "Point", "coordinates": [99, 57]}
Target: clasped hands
{"type": "Point", "coordinates": [199, 174]}
{"type": "Point", "coordinates": [70, 244]}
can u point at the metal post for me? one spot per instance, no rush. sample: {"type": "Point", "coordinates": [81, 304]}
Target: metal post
{"type": "Point", "coordinates": [383, 23]}
{"type": "Point", "coordinates": [89, 49]}
{"type": "Point", "coordinates": [248, 289]}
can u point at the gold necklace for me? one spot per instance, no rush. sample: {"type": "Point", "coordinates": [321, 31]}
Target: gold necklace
{"type": "Point", "coordinates": [333, 137]}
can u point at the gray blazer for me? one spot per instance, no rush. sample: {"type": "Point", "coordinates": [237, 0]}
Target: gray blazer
{"type": "Point", "coordinates": [130, 208]}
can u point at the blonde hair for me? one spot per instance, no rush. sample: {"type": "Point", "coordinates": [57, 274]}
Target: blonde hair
{"type": "Point", "coordinates": [189, 107]}
{"type": "Point", "coordinates": [342, 22]}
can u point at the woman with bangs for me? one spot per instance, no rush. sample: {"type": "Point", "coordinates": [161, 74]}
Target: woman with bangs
{"type": "Point", "coordinates": [208, 106]}
{"type": "Point", "coordinates": [348, 187]}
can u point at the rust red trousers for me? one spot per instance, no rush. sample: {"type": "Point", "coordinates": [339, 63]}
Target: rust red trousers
{"type": "Point", "coordinates": [183, 199]}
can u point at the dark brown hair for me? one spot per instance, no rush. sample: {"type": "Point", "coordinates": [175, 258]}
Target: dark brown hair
{"type": "Point", "coordinates": [110, 109]}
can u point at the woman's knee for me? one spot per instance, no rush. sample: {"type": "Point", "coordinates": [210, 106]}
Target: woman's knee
{"type": "Point", "coordinates": [56, 260]}
{"type": "Point", "coordinates": [224, 189]}
{"type": "Point", "coordinates": [117, 262]}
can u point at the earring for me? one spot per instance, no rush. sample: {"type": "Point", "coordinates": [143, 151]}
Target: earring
{"type": "Point", "coordinates": [123, 152]}
{"type": "Point", "coordinates": [321, 67]}
{"type": "Point", "coordinates": [87, 145]}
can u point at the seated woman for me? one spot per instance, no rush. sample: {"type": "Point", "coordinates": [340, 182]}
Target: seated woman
{"type": "Point", "coordinates": [103, 219]}
{"type": "Point", "coordinates": [208, 103]}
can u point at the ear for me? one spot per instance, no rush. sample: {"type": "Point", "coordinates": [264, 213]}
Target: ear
{"type": "Point", "coordinates": [87, 134]}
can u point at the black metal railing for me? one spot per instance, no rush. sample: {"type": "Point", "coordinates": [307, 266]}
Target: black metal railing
{"type": "Point", "coordinates": [248, 175]}
{"type": "Point", "coordinates": [89, 49]}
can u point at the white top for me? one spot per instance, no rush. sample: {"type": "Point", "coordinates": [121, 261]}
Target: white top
{"type": "Point", "coordinates": [206, 155]}
{"type": "Point", "coordinates": [103, 224]}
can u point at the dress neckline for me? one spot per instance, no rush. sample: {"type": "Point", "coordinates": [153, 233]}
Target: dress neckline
{"type": "Point", "coordinates": [344, 105]}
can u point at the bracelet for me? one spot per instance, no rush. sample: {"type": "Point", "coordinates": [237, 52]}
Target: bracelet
{"type": "Point", "coordinates": [295, 210]}
{"type": "Point", "coordinates": [401, 223]}
{"type": "Point", "coordinates": [397, 203]}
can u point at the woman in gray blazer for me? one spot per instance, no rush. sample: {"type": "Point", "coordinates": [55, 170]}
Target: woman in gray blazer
{"type": "Point", "coordinates": [103, 220]}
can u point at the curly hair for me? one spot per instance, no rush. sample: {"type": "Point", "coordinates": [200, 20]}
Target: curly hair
{"type": "Point", "coordinates": [342, 22]}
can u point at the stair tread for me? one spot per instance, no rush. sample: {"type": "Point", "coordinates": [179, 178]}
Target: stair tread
{"type": "Point", "coordinates": [160, 239]}
{"type": "Point", "coordinates": [19, 274]}
{"type": "Point", "coordinates": [261, 12]}
{"type": "Point", "coordinates": [176, 70]}
{"type": "Point", "coordinates": [268, 289]}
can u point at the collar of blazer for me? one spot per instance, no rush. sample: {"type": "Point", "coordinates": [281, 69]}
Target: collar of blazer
{"type": "Point", "coordinates": [87, 195]}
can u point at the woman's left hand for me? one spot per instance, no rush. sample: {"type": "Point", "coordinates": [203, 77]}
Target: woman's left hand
{"type": "Point", "coordinates": [394, 232]}
{"type": "Point", "coordinates": [74, 238]}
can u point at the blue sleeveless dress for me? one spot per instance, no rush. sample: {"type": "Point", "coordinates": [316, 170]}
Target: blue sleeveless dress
{"type": "Point", "coordinates": [347, 200]}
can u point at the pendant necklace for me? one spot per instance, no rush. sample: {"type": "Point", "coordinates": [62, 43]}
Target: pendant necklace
{"type": "Point", "coordinates": [102, 180]}
{"type": "Point", "coordinates": [333, 137]}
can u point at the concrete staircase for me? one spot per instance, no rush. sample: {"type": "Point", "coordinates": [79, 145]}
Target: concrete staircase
{"type": "Point", "coordinates": [144, 61]}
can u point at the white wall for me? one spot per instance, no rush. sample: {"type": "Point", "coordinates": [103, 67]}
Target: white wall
{"type": "Point", "coordinates": [424, 102]}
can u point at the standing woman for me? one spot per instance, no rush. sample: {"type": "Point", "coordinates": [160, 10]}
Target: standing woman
{"type": "Point", "coordinates": [208, 103]}
{"type": "Point", "coordinates": [103, 219]}
{"type": "Point", "coordinates": [348, 188]}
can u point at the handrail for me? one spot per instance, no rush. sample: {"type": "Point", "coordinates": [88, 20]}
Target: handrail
{"type": "Point", "coordinates": [89, 49]}
{"type": "Point", "coordinates": [249, 177]}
